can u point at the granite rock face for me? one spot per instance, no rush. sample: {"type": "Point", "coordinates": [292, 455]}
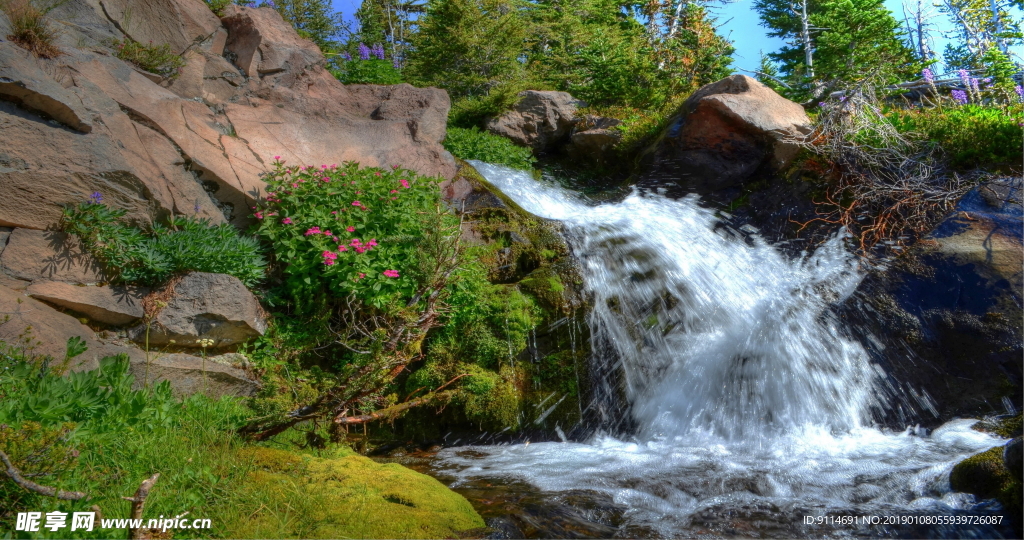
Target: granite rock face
{"type": "Point", "coordinates": [541, 120]}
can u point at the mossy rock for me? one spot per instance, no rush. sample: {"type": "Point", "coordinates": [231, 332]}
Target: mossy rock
{"type": "Point", "coordinates": [345, 496]}
{"type": "Point", "coordinates": [985, 476]}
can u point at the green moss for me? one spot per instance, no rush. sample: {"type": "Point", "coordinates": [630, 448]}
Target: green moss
{"type": "Point", "coordinates": [986, 476]}
{"type": "Point", "coordinates": [1004, 427]}
{"type": "Point", "coordinates": [344, 496]}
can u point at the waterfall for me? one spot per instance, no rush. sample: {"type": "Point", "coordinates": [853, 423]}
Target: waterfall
{"type": "Point", "coordinates": [714, 331]}
{"type": "Point", "coordinates": [739, 379]}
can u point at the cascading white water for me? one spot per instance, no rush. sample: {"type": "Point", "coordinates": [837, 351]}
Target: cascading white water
{"type": "Point", "coordinates": [737, 375]}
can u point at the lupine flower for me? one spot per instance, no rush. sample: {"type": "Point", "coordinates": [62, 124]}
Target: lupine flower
{"type": "Point", "coordinates": [287, 221]}
{"type": "Point", "coordinates": [364, 52]}
{"type": "Point", "coordinates": [974, 85]}
{"type": "Point", "coordinates": [346, 56]}
{"type": "Point", "coordinates": [960, 97]}
{"type": "Point", "coordinates": [1020, 92]}
{"type": "Point", "coordinates": [397, 64]}
{"type": "Point", "coordinates": [390, 273]}
{"type": "Point", "coordinates": [928, 75]}
{"type": "Point", "coordinates": [97, 197]}
{"type": "Point", "coordinates": [378, 51]}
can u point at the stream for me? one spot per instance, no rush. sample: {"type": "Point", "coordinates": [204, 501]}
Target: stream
{"type": "Point", "coordinates": [749, 408]}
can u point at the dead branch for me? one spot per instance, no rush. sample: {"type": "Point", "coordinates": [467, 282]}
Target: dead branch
{"type": "Point", "coordinates": [392, 411]}
{"type": "Point", "coordinates": [138, 502]}
{"type": "Point", "coordinates": [18, 478]}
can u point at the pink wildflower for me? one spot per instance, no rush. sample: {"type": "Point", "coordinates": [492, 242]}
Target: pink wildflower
{"type": "Point", "coordinates": [356, 203]}
{"type": "Point", "coordinates": [313, 230]}
{"type": "Point", "coordinates": [342, 248]}
{"type": "Point", "coordinates": [360, 249]}
{"type": "Point", "coordinates": [287, 221]}
{"type": "Point", "coordinates": [328, 233]}
{"type": "Point", "coordinates": [295, 184]}
{"type": "Point", "coordinates": [355, 242]}
{"type": "Point", "coordinates": [376, 174]}
{"type": "Point", "coordinates": [259, 215]}
{"type": "Point", "coordinates": [277, 158]}
{"type": "Point", "coordinates": [372, 242]}
{"type": "Point", "coordinates": [393, 191]}
{"type": "Point", "coordinates": [404, 182]}
{"type": "Point", "coordinates": [390, 273]}
{"type": "Point", "coordinates": [351, 229]}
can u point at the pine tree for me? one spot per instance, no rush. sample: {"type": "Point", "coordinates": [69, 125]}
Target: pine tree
{"type": "Point", "coordinates": [468, 47]}
{"type": "Point", "coordinates": [852, 40]}
{"type": "Point", "coordinates": [314, 20]}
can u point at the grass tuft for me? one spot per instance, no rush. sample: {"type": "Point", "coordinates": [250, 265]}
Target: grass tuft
{"type": "Point", "coordinates": [29, 28]}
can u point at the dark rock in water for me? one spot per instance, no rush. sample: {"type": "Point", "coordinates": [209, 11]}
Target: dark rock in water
{"type": "Point", "coordinates": [944, 319]}
{"type": "Point", "coordinates": [1013, 457]}
{"type": "Point", "coordinates": [987, 477]}
{"type": "Point", "coordinates": [726, 133]}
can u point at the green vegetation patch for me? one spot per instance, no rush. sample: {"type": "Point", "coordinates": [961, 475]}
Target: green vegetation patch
{"type": "Point", "coordinates": [480, 145]}
{"type": "Point", "coordinates": [986, 476]}
{"type": "Point", "coordinates": [158, 59]}
{"type": "Point", "coordinates": [971, 135]}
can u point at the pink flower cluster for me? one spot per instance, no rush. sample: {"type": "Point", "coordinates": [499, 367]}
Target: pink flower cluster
{"type": "Point", "coordinates": [390, 273]}
{"type": "Point", "coordinates": [330, 257]}
{"type": "Point", "coordinates": [404, 182]}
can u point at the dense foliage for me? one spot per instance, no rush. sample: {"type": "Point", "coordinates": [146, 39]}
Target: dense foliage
{"type": "Point", "coordinates": [970, 135]}
{"type": "Point", "coordinates": [473, 143]}
{"type": "Point", "coordinates": [153, 256]}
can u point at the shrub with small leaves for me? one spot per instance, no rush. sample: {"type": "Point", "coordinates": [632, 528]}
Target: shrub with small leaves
{"type": "Point", "coordinates": [158, 59]}
{"type": "Point", "coordinates": [350, 230]}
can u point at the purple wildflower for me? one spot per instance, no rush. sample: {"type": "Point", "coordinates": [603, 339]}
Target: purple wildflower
{"type": "Point", "coordinates": [928, 75]}
{"type": "Point", "coordinates": [271, 4]}
{"type": "Point", "coordinates": [960, 97]}
{"type": "Point", "coordinates": [346, 56]}
{"type": "Point", "coordinates": [378, 51]}
{"type": "Point", "coordinates": [974, 85]}
{"type": "Point", "coordinates": [964, 76]}
{"type": "Point", "coordinates": [97, 197]}
{"type": "Point", "coordinates": [364, 52]}
{"type": "Point", "coordinates": [396, 62]}
{"type": "Point", "coordinates": [1020, 92]}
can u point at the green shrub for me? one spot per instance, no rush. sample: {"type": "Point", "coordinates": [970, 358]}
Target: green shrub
{"type": "Point", "coordinates": [29, 28]}
{"type": "Point", "coordinates": [158, 59]}
{"type": "Point", "coordinates": [151, 258]}
{"type": "Point", "coordinates": [476, 144]}
{"type": "Point", "coordinates": [970, 135]}
{"type": "Point", "coordinates": [347, 230]}
{"type": "Point", "coordinates": [372, 71]}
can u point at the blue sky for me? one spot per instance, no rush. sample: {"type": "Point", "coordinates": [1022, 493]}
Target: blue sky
{"type": "Point", "coordinates": [741, 25]}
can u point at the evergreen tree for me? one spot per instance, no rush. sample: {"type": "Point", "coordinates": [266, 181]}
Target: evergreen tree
{"type": "Point", "coordinates": [468, 46]}
{"type": "Point", "coordinates": [851, 40]}
{"type": "Point", "coordinates": [314, 20]}
{"type": "Point", "coordinates": [388, 23]}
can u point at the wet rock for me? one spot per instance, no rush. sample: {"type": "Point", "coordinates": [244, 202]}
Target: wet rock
{"type": "Point", "coordinates": [944, 319]}
{"type": "Point", "coordinates": [726, 133]}
{"type": "Point", "coordinates": [46, 255]}
{"type": "Point", "coordinates": [985, 476]}
{"type": "Point", "coordinates": [204, 306]}
{"type": "Point", "coordinates": [593, 137]}
{"type": "Point", "coordinates": [541, 120]}
{"type": "Point", "coordinates": [1013, 457]}
{"type": "Point", "coordinates": [113, 305]}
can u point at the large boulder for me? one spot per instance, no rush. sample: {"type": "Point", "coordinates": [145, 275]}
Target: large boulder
{"type": "Point", "coordinates": [541, 120]}
{"type": "Point", "coordinates": [944, 318]}
{"type": "Point", "coordinates": [202, 306]}
{"type": "Point", "coordinates": [188, 374]}
{"type": "Point", "coordinates": [110, 305]}
{"type": "Point", "coordinates": [725, 133]}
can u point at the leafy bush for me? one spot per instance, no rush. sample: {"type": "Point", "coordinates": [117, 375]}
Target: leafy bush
{"type": "Point", "coordinates": [159, 59]}
{"type": "Point", "coordinates": [348, 230]}
{"type": "Point", "coordinates": [971, 135]}
{"type": "Point", "coordinates": [151, 258]}
{"type": "Point", "coordinates": [29, 28]}
{"type": "Point", "coordinates": [473, 143]}
{"type": "Point", "coordinates": [370, 67]}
